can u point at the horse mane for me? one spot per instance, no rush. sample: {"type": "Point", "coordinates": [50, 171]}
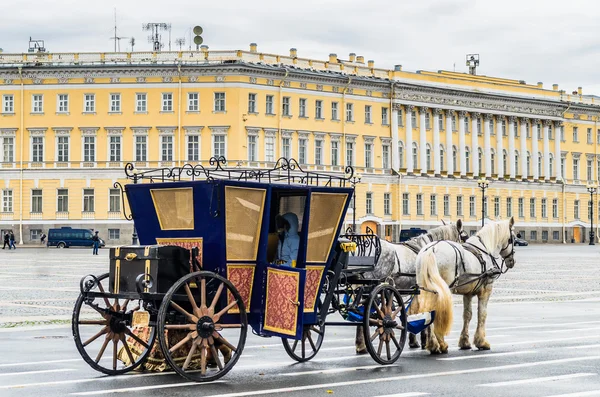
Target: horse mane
{"type": "Point", "coordinates": [444, 232]}
{"type": "Point", "coordinates": [492, 234]}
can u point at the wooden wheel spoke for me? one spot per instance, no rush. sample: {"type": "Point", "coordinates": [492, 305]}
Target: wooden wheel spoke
{"type": "Point", "coordinates": [373, 321]}
{"type": "Point", "coordinates": [225, 326]}
{"type": "Point", "coordinates": [395, 313]}
{"type": "Point", "coordinates": [380, 346]}
{"type": "Point", "coordinates": [127, 349]}
{"type": "Point", "coordinates": [115, 343]}
{"type": "Point", "coordinates": [396, 342]}
{"type": "Point", "coordinates": [203, 293]}
{"type": "Point", "coordinates": [387, 349]}
{"type": "Point", "coordinates": [181, 310]}
{"type": "Point", "coordinates": [137, 339]}
{"type": "Point", "coordinates": [375, 334]}
{"type": "Point", "coordinates": [303, 346]}
{"type": "Point", "coordinates": [189, 356]}
{"type": "Point", "coordinates": [181, 343]}
{"type": "Point", "coordinates": [103, 348]}
{"type": "Point", "coordinates": [203, 360]}
{"type": "Point", "coordinates": [400, 327]}
{"type": "Point", "coordinates": [315, 329]}
{"type": "Point", "coordinates": [390, 303]}
{"type": "Point", "coordinates": [215, 300]}
{"type": "Point", "coordinates": [295, 345]}
{"type": "Point", "coordinates": [217, 316]}
{"type": "Point", "coordinates": [310, 340]}
{"type": "Point", "coordinates": [101, 288]}
{"type": "Point", "coordinates": [220, 337]}
{"type": "Point", "coordinates": [124, 306]}
{"type": "Point", "coordinates": [99, 334]}
{"type": "Point", "coordinates": [192, 300]}
{"type": "Point", "coordinates": [92, 322]}
{"type": "Point", "coordinates": [189, 327]}
{"type": "Point", "coordinates": [215, 353]}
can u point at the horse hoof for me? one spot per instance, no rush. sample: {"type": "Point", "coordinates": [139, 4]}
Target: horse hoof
{"type": "Point", "coordinates": [465, 347]}
{"type": "Point", "coordinates": [361, 352]}
{"type": "Point", "coordinates": [484, 347]}
{"type": "Point", "coordinates": [414, 345]}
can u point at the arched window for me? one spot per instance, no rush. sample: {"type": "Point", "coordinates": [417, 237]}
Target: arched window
{"type": "Point", "coordinates": [550, 165]}
{"type": "Point", "coordinates": [415, 154]}
{"type": "Point", "coordinates": [517, 162]}
{"type": "Point", "coordinates": [441, 158]}
{"type": "Point", "coordinates": [504, 161]}
{"type": "Point", "coordinates": [480, 159]}
{"type": "Point", "coordinates": [454, 158]}
{"type": "Point", "coordinates": [539, 164]}
{"type": "Point", "coordinates": [401, 154]}
{"type": "Point", "coordinates": [493, 161]}
{"type": "Point", "coordinates": [428, 157]}
{"type": "Point", "coordinates": [468, 159]}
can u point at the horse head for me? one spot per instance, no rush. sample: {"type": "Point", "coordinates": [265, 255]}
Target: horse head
{"type": "Point", "coordinates": [507, 252]}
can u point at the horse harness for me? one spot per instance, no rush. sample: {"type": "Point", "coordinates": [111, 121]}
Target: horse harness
{"type": "Point", "coordinates": [414, 248]}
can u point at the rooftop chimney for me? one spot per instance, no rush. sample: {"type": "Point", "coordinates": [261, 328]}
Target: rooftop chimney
{"type": "Point", "coordinates": [360, 59]}
{"type": "Point", "coordinates": [555, 87]}
{"type": "Point", "coordinates": [332, 58]}
{"type": "Point", "coordinates": [253, 47]}
{"type": "Point", "coordinates": [398, 68]}
{"type": "Point", "coordinates": [293, 52]}
{"type": "Point", "coordinates": [371, 64]}
{"type": "Point", "coordinates": [352, 57]}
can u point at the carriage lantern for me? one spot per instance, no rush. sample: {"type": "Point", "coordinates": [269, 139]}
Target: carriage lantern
{"type": "Point", "coordinates": [592, 189]}
{"type": "Point", "coordinates": [483, 184]}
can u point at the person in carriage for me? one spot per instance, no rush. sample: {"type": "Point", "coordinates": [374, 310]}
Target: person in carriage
{"type": "Point", "coordinates": [289, 240]}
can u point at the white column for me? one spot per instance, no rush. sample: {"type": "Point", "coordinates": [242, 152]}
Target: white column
{"type": "Point", "coordinates": [547, 175]}
{"type": "Point", "coordinates": [535, 133]}
{"type": "Point", "coordinates": [436, 142]}
{"type": "Point", "coordinates": [487, 147]}
{"type": "Point", "coordinates": [558, 126]}
{"type": "Point", "coordinates": [475, 144]}
{"type": "Point", "coordinates": [449, 132]}
{"type": "Point", "coordinates": [409, 138]}
{"type": "Point", "coordinates": [423, 139]}
{"type": "Point", "coordinates": [394, 126]}
{"type": "Point", "coordinates": [524, 148]}
{"type": "Point", "coordinates": [500, 146]}
{"type": "Point", "coordinates": [461, 143]}
{"type": "Point", "coordinates": [511, 146]}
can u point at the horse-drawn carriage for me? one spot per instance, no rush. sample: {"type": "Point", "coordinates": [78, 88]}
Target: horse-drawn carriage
{"type": "Point", "coordinates": [207, 271]}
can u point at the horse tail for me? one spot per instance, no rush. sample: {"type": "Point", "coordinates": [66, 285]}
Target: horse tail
{"type": "Point", "coordinates": [428, 276]}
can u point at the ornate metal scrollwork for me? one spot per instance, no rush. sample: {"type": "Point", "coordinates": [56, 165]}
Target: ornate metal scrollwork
{"type": "Point", "coordinates": [117, 185]}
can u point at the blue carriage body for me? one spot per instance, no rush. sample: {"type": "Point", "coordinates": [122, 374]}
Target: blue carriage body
{"type": "Point", "coordinates": [232, 222]}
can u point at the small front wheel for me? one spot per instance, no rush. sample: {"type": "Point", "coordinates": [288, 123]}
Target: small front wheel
{"type": "Point", "coordinates": [60, 245]}
{"type": "Point", "coordinates": [308, 346]}
{"type": "Point", "coordinates": [384, 324]}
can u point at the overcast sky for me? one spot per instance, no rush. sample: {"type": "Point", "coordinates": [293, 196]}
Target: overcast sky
{"type": "Point", "coordinates": [533, 40]}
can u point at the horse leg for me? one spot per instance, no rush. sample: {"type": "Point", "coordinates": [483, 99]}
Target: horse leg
{"type": "Point", "coordinates": [463, 341]}
{"type": "Point", "coordinates": [482, 301]}
{"type": "Point", "coordinates": [433, 346]}
{"type": "Point", "coordinates": [412, 341]}
{"type": "Point", "coordinates": [359, 341]}
{"type": "Point", "coordinates": [424, 335]}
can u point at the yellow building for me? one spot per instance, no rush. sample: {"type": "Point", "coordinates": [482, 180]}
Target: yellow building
{"type": "Point", "coordinates": [70, 122]}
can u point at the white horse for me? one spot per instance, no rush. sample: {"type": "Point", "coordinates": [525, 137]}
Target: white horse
{"type": "Point", "coordinates": [398, 262]}
{"type": "Point", "coordinates": [467, 269]}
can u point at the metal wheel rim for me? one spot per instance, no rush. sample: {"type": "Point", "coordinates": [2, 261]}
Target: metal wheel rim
{"type": "Point", "coordinates": [312, 337]}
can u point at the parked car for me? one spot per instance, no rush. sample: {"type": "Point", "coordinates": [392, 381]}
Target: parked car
{"type": "Point", "coordinates": [66, 237]}
{"type": "Point", "coordinates": [520, 242]}
{"type": "Point", "coordinates": [407, 234]}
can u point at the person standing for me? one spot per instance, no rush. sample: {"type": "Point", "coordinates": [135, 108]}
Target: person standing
{"type": "Point", "coordinates": [43, 238]}
{"type": "Point", "coordinates": [96, 241]}
{"type": "Point", "coordinates": [12, 241]}
{"type": "Point", "coordinates": [6, 240]}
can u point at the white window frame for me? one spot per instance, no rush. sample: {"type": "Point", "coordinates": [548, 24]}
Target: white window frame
{"type": "Point", "coordinates": [114, 195]}
{"type": "Point", "coordinates": [252, 147]}
{"type": "Point", "coordinates": [62, 103]}
{"type": "Point", "coordinates": [65, 201]}
{"type": "Point", "coordinates": [319, 151]}
{"type": "Point", "coordinates": [7, 200]}
{"type": "Point", "coordinates": [335, 153]}
{"type": "Point", "coordinates": [387, 204]}
{"type": "Point", "coordinates": [8, 156]}
{"type": "Point", "coordinates": [350, 153]}
{"type": "Point", "coordinates": [88, 148]}
{"type": "Point", "coordinates": [37, 103]}
{"type": "Point", "coordinates": [68, 145]}
{"type": "Point", "coordinates": [8, 104]}
{"type": "Point", "coordinates": [303, 144]}
{"type": "Point", "coordinates": [119, 152]}
{"type": "Point", "coordinates": [385, 156]}
{"type": "Point", "coordinates": [34, 200]}
{"type": "Point", "coordinates": [335, 111]}
{"type": "Point", "coordinates": [141, 102]}
{"type": "Point", "coordinates": [214, 141]}
{"type": "Point", "coordinates": [286, 106]}
{"type": "Point", "coordinates": [350, 112]}
{"type": "Point", "coordinates": [88, 198]}
{"type": "Point", "coordinates": [368, 114]}
{"type": "Point", "coordinates": [89, 103]}
{"type": "Point", "coordinates": [114, 102]}
{"type": "Point", "coordinates": [287, 153]}
{"type": "Point", "coordinates": [188, 147]}
{"type": "Point", "coordinates": [193, 102]}
{"type": "Point", "coordinates": [385, 116]}
{"type": "Point", "coordinates": [319, 109]}
{"type": "Point", "coordinates": [166, 102]}
{"type": "Point", "coordinates": [252, 103]}
{"type": "Point", "coordinates": [302, 107]}
{"type": "Point", "coordinates": [144, 154]}
{"type": "Point", "coordinates": [41, 153]}
{"type": "Point", "coordinates": [220, 102]}
{"type": "Point", "coordinates": [269, 105]}
{"type": "Point", "coordinates": [167, 145]}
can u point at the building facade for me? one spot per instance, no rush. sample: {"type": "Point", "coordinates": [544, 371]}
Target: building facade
{"type": "Point", "coordinates": [70, 122]}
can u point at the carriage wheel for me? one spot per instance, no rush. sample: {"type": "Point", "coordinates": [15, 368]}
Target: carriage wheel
{"type": "Point", "coordinates": [202, 326]}
{"type": "Point", "coordinates": [103, 334]}
{"type": "Point", "coordinates": [308, 346]}
{"type": "Point", "coordinates": [385, 328]}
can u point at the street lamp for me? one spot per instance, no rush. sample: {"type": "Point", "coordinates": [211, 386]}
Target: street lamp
{"type": "Point", "coordinates": [134, 236]}
{"type": "Point", "coordinates": [592, 189]}
{"type": "Point", "coordinates": [355, 180]}
{"type": "Point", "coordinates": [483, 184]}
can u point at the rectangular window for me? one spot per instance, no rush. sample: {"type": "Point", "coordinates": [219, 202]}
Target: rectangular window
{"type": "Point", "coordinates": [349, 112]}
{"type": "Point", "coordinates": [459, 206]}
{"type": "Point", "coordinates": [556, 235]}
{"type": "Point", "coordinates": [286, 148]}
{"type": "Point", "coordinates": [114, 234]}
{"type": "Point", "coordinates": [349, 153]}
{"type": "Point", "coordinates": [167, 102]}
{"type": "Point", "coordinates": [446, 205]}
{"type": "Point", "coordinates": [368, 155]}
{"type": "Point", "coordinates": [576, 209]}
{"type": "Point", "coordinates": [563, 172]}
{"type": "Point", "coordinates": [575, 134]}
{"type": "Point", "coordinates": [37, 103]}
{"type": "Point", "coordinates": [140, 148]}
{"type": "Point", "coordinates": [141, 103]}
{"type": "Point", "coordinates": [35, 234]}
{"type": "Point", "coordinates": [413, 119]}
{"type": "Point", "coordinates": [302, 151]}
{"type": "Point", "coordinates": [219, 145]}
{"type": "Point", "coordinates": [318, 151]}
{"type": "Point", "coordinates": [521, 207]}
{"type": "Point", "coordinates": [555, 208]}
{"type": "Point", "coordinates": [485, 206]}
{"type": "Point", "coordinates": [8, 155]}
{"type": "Point", "coordinates": [270, 148]}
{"type": "Point", "coordinates": [385, 156]}
{"type": "Point", "coordinates": [193, 102]}
{"type": "Point", "coordinates": [302, 107]}
{"type": "Point", "coordinates": [62, 200]}
{"type": "Point", "coordinates": [88, 200]}
{"type": "Point", "coordinates": [251, 103]}
{"type": "Point", "coordinates": [369, 203]}
{"type": "Point", "coordinates": [269, 104]}
{"type": "Point", "coordinates": [115, 103]}
{"type": "Point", "coordinates": [544, 208]}
{"type": "Point", "coordinates": [405, 203]}
{"type": "Point", "coordinates": [453, 122]}
{"type": "Point", "coordinates": [89, 103]}
{"type": "Point", "coordinates": [219, 102]}
{"type": "Point", "coordinates": [590, 177]}
{"type": "Point", "coordinates": [387, 208]}
{"type": "Point", "coordinates": [89, 148]}
{"type": "Point", "coordinates": [533, 235]}
{"type": "Point", "coordinates": [504, 133]}
{"type": "Point", "coordinates": [433, 205]}
{"type": "Point", "coordinates": [252, 147]}
{"type": "Point", "coordinates": [576, 169]}
{"type": "Point", "coordinates": [472, 206]}
{"type": "Point", "coordinates": [368, 119]}
{"type": "Point", "coordinates": [496, 207]}
{"type": "Point", "coordinates": [385, 116]}
{"type": "Point", "coordinates": [478, 126]}
{"type": "Point", "coordinates": [335, 155]}
{"type": "Point", "coordinates": [400, 118]}
{"type": "Point", "coordinates": [63, 103]}
{"type": "Point", "coordinates": [427, 120]}
{"type": "Point", "coordinates": [334, 111]}
{"type": "Point", "coordinates": [589, 136]}
{"type": "Point", "coordinates": [8, 104]}
{"type": "Point", "coordinates": [419, 204]}
{"type": "Point", "coordinates": [318, 109]}
{"type": "Point", "coordinates": [286, 106]}
{"type": "Point", "coordinates": [193, 147]}
{"type": "Point", "coordinates": [36, 200]}
{"type": "Point", "coordinates": [62, 147]}
{"type": "Point", "coordinates": [115, 148]}
{"type": "Point", "coordinates": [114, 200]}
{"type": "Point", "coordinates": [7, 200]}
{"type": "Point", "coordinates": [166, 145]}
{"type": "Point", "coordinates": [509, 211]}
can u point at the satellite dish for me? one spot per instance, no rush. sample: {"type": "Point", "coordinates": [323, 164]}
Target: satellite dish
{"type": "Point", "coordinates": [198, 31]}
{"type": "Point", "coordinates": [198, 40]}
